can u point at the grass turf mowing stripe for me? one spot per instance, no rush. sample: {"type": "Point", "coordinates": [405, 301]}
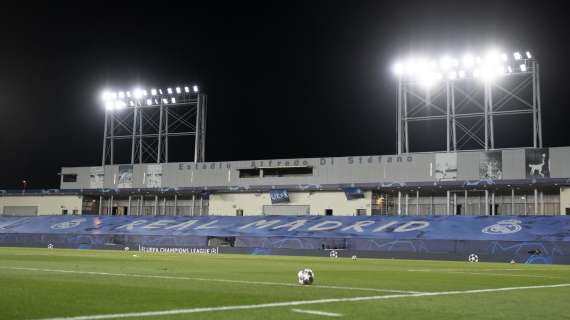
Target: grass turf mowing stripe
{"type": "Point", "coordinates": [264, 283]}
{"type": "Point", "coordinates": [318, 313]}
{"type": "Point", "coordinates": [299, 303]}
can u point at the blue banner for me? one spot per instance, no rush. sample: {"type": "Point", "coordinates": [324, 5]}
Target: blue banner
{"type": "Point", "coordinates": [506, 228]}
{"type": "Point", "coordinates": [279, 195]}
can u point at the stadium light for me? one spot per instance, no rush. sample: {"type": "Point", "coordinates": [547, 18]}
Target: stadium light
{"type": "Point", "coordinates": [109, 105]}
{"type": "Point", "coordinates": [137, 93]}
{"type": "Point", "coordinates": [178, 90]}
{"type": "Point", "coordinates": [153, 92]}
{"type": "Point", "coordinates": [169, 90]}
{"type": "Point", "coordinates": [164, 100]}
{"type": "Point", "coordinates": [148, 102]}
{"type": "Point", "coordinates": [160, 91]}
{"type": "Point", "coordinates": [121, 95]}
{"type": "Point", "coordinates": [426, 71]}
{"type": "Point", "coordinates": [195, 88]}
{"type": "Point", "coordinates": [523, 67]}
{"type": "Point", "coordinates": [173, 100]}
{"type": "Point", "coordinates": [186, 89]}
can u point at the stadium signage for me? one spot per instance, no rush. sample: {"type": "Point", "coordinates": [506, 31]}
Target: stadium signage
{"type": "Point", "coordinates": [179, 250]}
{"type": "Point", "coordinates": [299, 162]}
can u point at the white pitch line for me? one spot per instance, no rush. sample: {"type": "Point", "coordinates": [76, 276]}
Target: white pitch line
{"type": "Point", "coordinates": [263, 283]}
{"type": "Point", "coordinates": [318, 313]}
{"type": "Point", "coordinates": [297, 303]}
{"type": "Point", "coordinates": [487, 273]}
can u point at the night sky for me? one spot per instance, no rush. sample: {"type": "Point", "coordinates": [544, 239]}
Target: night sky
{"type": "Point", "coordinates": [284, 79]}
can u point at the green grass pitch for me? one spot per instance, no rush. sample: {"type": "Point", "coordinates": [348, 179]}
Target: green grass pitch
{"type": "Point", "coordinates": [66, 284]}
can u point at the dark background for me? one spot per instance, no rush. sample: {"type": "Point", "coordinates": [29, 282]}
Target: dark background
{"type": "Point", "coordinates": [284, 79]}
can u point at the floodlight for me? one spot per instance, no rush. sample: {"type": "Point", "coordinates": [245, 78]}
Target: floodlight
{"type": "Point", "coordinates": [445, 63]}
{"type": "Point", "coordinates": [186, 89]}
{"type": "Point", "coordinates": [109, 105]}
{"type": "Point", "coordinates": [155, 101]}
{"type": "Point", "coordinates": [461, 74]}
{"type": "Point", "coordinates": [468, 61]}
{"type": "Point", "coordinates": [131, 103]}
{"type": "Point", "coordinates": [528, 55]}
{"type": "Point", "coordinates": [153, 92]}
{"type": "Point", "coordinates": [476, 73]}
{"type": "Point", "coordinates": [160, 91]}
{"type": "Point", "coordinates": [398, 69]}
{"type": "Point", "coordinates": [523, 67]}
{"type": "Point", "coordinates": [169, 90]}
{"type": "Point", "coordinates": [509, 69]}
{"type": "Point", "coordinates": [173, 100]}
{"type": "Point", "coordinates": [195, 88]}
{"type": "Point", "coordinates": [164, 100]}
{"type": "Point", "coordinates": [120, 105]}
{"type": "Point", "coordinates": [178, 90]}
{"type": "Point", "coordinates": [128, 94]}
{"type": "Point", "coordinates": [452, 75]}
{"type": "Point", "coordinates": [137, 93]}
{"type": "Point", "coordinates": [107, 95]}
{"type": "Point", "coordinates": [517, 55]}
{"type": "Point", "coordinates": [504, 57]}
{"type": "Point", "coordinates": [148, 102]}
{"type": "Point", "coordinates": [121, 95]}
{"type": "Point", "coordinates": [144, 93]}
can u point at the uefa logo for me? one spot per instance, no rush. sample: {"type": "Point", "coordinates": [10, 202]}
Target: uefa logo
{"type": "Point", "coordinates": [503, 227]}
{"type": "Point", "coordinates": [67, 224]}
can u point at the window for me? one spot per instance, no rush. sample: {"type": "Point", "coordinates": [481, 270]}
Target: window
{"type": "Point", "coordinates": [360, 212]}
{"type": "Point", "coordinates": [239, 212]}
{"type": "Point", "coordinates": [64, 212]}
{"type": "Point", "coordinates": [287, 172]}
{"type": "Point", "coordinates": [249, 173]}
{"type": "Point", "coordinates": [328, 212]}
{"type": "Point", "coordinates": [75, 211]}
{"type": "Point", "coordinates": [70, 177]}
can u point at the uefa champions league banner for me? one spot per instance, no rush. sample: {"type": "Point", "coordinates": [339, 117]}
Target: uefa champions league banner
{"type": "Point", "coordinates": [511, 228]}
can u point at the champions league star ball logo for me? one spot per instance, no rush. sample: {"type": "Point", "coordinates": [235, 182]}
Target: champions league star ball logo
{"type": "Point", "coordinates": [67, 224]}
{"type": "Point", "coordinates": [306, 276]}
{"type": "Point", "coordinates": [503, 227]}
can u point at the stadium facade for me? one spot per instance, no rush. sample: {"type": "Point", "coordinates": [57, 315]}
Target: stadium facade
{"type": "Point", "coordinates": [524, 181]}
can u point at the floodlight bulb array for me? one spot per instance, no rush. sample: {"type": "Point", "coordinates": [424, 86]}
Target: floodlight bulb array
{"type": "Point", "coordinates": [487, 67]}
{"type": "Point", "coordinates": [118, 100]}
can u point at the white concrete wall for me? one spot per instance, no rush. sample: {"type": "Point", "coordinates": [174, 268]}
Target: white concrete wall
{"type": "Point", "coordinates": [47, 205]}
{"type": "Point", "coordinates": [252, 203]}
{"type": "Point", "coordinates": [564, 200]}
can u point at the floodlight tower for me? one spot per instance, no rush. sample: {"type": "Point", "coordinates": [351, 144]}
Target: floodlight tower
{"type": "Point", "coordinates": [147, 119]}
{"type": "Point", "coordinates": [468, 93]}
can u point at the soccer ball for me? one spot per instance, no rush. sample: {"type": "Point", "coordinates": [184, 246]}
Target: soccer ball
{"type": "Point", "coordinates": [127, 249]}
{"type": "Point", "coordinates": [306, 276]}
{"type": "Point", "coordinates": [473, 258]}
{"type": "Point", "coordinates": [353, 257]}
{"type": "Point", "coordinates": [50, 246]}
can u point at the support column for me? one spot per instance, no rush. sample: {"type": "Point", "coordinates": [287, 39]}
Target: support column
{"type": "Point", "coordinates": [399, 203]}
{"type": "Point", "coordinates": [100, 205]}
{"type": "Point", "coordinates": [418, 202]}
{"type": "Point", "coordinates": [466, 202]}
{"type": "Point", "coordinates": [487, 202]}
{"type": "Point", "coordinates": [110, 209]}
{"type": "Point", "coordinates": [155, 209]}
{"type": "Point", "coordinates": [541, 202]}
{"type": "Point", "coordinates": [448, 203]}
{"type": "Point", "coordinates": [455, 203]}
{"type": "Point", "coordinates": [447, 116]}
{"type": "Point", "coordinates": [175, 204]}
{"type": "Point", "coordinates": [406, 211]}
{"type": "Point", "coordinates": [141, 203]}
{"type": "Point", "coordinates": [201, 205]}
{"type": "Point", "coordinates": [164, 206]}
{"type": "Point", "coordinates": [535, 201]}
{"type": "Point", "coordinates": [431, 205]}
{"type": "Point", "coordinates": [129, 206]}
{"type": "Point", "coordinates": [493, 211]}
{"type": "Point", "coordinates": [512, 201]}
{"type": "Point", "coordinates": [193, 204]}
